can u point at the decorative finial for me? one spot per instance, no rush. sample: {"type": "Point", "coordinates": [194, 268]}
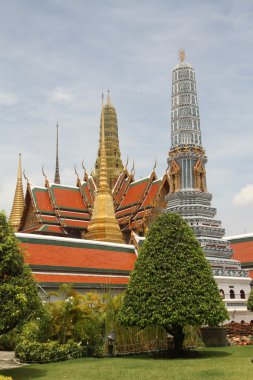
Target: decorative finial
{"type": "Point", "coordinates": [78, 178]}
{"type": "Point", "coordinates": [57, 170]}
{"type": "Point", "coordinates": [25, 177]}
{"type": "Point", "coordinates": [133, 170]}
{"type": "Point", "coordinates": [126, 162]}
{"type": "Point", "coordinates": [181, 55]}
{"type": "Point", "coordinates": [155, 165]}
{"type": "Point", "coordinates": [108, 97]}
{"type": "Point", "coordinates": [44, 174]}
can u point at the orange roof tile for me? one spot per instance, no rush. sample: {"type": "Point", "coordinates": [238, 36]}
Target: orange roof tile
{"type": "Point", "coordinates": [126, 211]}
{"type": "Point", "coordinates": [134, 193]}
{"type": "Point", "coordinates": [122, 188]}
{"type": "Point", "coordinates": [74, 223]}
{"type": "Point", "coordinates": [86, 191]}
{"type": "Point", "coordinates": [152, 193]}
{"type": "Point", "coordinates": [51, 228]}
{"type": "Point", "coordinates": [75, 215]}
{"type": "Point", "coordinates": [41, 200]}
{"type": "Point", "coordinates": [243, 251]}
{"type": "Point", "coordinates": [67, 197]}
{"type": "Point", "coordinates": [71, 255]}
{"type": "Point", "coordinates": [48, 218]}
{"type": "Point", "coordinates": [251, 273]}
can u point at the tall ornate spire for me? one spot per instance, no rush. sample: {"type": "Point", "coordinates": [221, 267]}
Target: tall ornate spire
{"type": "Point", "coordinates": [103, 225]}
{"type": "Point", "coordinates": [113, 156]}
{"type": "Point", "coordinates": [18, 202]}
{"type": "Point", "coordinates": [188, 191]}
{"type": "Point", "coordinates": [57, 170]}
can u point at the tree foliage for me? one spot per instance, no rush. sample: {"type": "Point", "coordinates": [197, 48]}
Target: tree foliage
{"type": "Point", "coordinates": [250, 301]}
{"type": "Point", "coordinates": [19, 298]}
{"type": "Point", "coordinates": [172, 283]}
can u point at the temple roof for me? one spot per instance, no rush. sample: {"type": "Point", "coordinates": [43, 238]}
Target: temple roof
{"type": "Point", "coordinates": [69, 208]}
{"type": "Point", "coordinates": [56, 260]}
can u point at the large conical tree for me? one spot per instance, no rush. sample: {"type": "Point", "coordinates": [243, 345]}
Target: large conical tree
{"type": "Point", "coordinates": [19, 298]}
{"type": "Point", "coordinates": [172, 283]}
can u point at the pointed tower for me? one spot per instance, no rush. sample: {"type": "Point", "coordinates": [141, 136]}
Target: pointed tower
{"type": "Point", "coordinates": [57, 170]}
{"type": "Point", "coordinates": [188, 191]}
{"type": "Point", "coordinates": [113, 156]}
{"type": "Point", "coordinates": [18, 202]}
{"type": "Point", "coordinates": [103, 225]}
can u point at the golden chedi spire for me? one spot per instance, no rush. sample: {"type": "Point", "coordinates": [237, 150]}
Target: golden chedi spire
{"type": "Point", "coordinates": [103, 225]}
{"type": "Point", "coordinates": [18, 202]}
{"type": "Point", "coordinates": [113, 156]}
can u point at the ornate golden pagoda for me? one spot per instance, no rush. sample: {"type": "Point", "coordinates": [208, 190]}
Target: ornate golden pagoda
{"type": "Point", "coordinates": [103, 225]}
{"type": "Point", "coordinates": [18, 202]}
{"type": "Point", "coordinates": [113, 156]}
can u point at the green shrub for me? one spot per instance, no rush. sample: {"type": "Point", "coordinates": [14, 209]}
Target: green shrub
{"type": "Point", "coordinates": [250, 301]}
{"type": "Point", "coordinates": [90, 333]}
{"type": "Point", "coordinates": [32, 351]}
{"type": "Point", "coordinates": [5, 377]}
{"type": "Point", "coordinates": [8, 341]}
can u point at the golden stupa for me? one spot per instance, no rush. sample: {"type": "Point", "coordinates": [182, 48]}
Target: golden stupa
{"type": "Point", "coordinates": [103, 225]}
{"type": "Point", "coordinates": [111, 140]}
{"type": "Point", "coordinates": [18, 202]}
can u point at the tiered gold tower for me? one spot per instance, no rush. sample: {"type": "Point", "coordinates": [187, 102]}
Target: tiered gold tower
{"type": "Point", "coordinates": [103, 225]}
{"type": "Point", "coordinates": [113, 156]}
{"type": "Point", "coordinates": [18, 202]}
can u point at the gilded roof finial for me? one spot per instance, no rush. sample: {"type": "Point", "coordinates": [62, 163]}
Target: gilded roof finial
{"type": "Point", "coordinates": [181, 55]}
{"type": "Point", "coordinates": [44, 174]}
{"type": "Point", "coordinates": [18, 202]}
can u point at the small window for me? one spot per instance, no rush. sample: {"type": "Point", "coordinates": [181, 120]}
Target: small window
{"type": "Point", "coordinates": [222, 294]}
{"type": "Point", "coordinates": [232, 294]}
{"type": "Point", "coordinates": [242, 294]}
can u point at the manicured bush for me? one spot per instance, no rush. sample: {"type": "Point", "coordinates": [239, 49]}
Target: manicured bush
{"type": "Point", "coordinates": [8, 341]}
{"type": "Point", "coordinates": [172, 283]}
{"type": "Point", "coordinates": [250, 301]}
{"type": "Point", "coordinates": [32, 351]}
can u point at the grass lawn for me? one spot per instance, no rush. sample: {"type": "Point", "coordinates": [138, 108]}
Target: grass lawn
{"type": "Point", "coordinates": [228, 363]}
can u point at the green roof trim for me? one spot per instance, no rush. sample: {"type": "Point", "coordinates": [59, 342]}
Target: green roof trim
{"type": "Point", "coordinates": [241, 240]}
{"type": "Point", "coordinates": [247, 264]}
{"type": "Point", "coordinates": [133, 184]}
{"type": "Point", "coordinates": [101, 286]}
{"type": "Point", "coordinates": [79, 269]}
{"type": "Point", "coordinates": [83, 244]}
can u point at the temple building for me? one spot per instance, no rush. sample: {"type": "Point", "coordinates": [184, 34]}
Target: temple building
{"type": "Point", "coordinates": [88, 234]}
{"type": "Point", "coordinates": [68, 211]}
{"type": "Point", "coordinates": [188, 188]}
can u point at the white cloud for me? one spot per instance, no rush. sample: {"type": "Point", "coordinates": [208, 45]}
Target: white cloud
{"type": "Point", "coordinates": [7, 98]}
{"type": "Point", "coordinates": [62, 95]}
{"type": "Point", "coordinates": [245, 196]}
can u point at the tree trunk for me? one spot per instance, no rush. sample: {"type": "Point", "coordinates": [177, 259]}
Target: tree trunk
{"type": "Point", "coordinates": [178, 334]}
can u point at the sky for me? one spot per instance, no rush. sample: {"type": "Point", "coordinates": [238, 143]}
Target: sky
{"type": "Point", "coordinates": [57, 56]}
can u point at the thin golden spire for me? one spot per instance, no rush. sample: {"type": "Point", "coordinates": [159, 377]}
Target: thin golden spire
{"type": "Point", "coordinates": [103, 225]}
{"type": "Point", "coordinates": [108, 97]}
{"type": "Point", "coordinates": [18, 202]}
